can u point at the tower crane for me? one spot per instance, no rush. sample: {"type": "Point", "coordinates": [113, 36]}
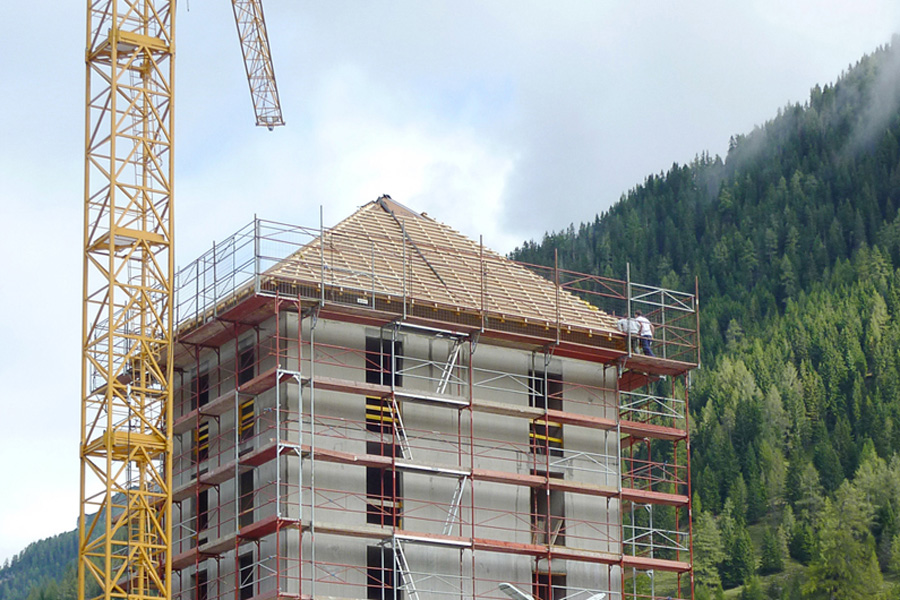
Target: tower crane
{"type": "Point", "coordinates": [125, 536]}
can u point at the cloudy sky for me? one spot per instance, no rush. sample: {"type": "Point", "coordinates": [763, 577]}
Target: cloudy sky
{"type": "Point", "coordinates": [501, 118]}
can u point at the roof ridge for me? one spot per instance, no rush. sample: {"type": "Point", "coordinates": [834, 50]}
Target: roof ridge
{"type": "Point", "coordinates": [392, 206]}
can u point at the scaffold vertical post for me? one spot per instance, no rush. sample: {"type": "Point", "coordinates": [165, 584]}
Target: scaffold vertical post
{"type": "Point", "coordinates": [662, 323]}
{"type": "Point", "coordinates": [687, 454]}
{"type": "Point", "coordinates": [204, 290]}
{"type": "Point", "coordinates": [312, 442]}
{"type": "Point", "coordinates": [403, 278]}
{"type": "Point", "coordinates": [257, 259]}
{"type": "Point", "coordinates": [628, 311]}
{"type": "Point", "coordinates": [215, 282]}
{"type": "Point", "coordinates": [556, 283]}
{"type": "Point", "coordinates": [322, 254]}
{"type": "Point", "coordinates": [697, 325]}
{"type": "Point", "coordinates": [483, 280]}
{"type": "Point", "coordinates": [278, 371]}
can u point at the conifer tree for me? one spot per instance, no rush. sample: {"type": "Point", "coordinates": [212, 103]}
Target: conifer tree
{"type": "Point", "coordinates": [846, 566]}
{"type": "Point", "coordinates": [771, 558]}
{"type": "Point", "coordinates": [709, 550]}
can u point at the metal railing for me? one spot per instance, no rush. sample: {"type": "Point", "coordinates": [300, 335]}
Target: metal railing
{"type": "Point", "coordinates": [237, 266]}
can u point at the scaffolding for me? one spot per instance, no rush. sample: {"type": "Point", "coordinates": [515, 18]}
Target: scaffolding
{"type": "Point", "coordinates": [344, 433]}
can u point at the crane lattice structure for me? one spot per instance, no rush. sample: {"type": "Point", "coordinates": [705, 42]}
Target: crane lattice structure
{"type": "Point", "coordinates": [126, 417]}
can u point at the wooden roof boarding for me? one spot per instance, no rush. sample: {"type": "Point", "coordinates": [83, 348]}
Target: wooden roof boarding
{"type": "Point", "coordinates": [386, 249]}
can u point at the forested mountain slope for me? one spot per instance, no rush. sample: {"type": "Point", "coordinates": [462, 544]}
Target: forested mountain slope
{"type": "Point", "coordinates": [45, 570]}
{"type": "Point", "coordinates": [795, 240]}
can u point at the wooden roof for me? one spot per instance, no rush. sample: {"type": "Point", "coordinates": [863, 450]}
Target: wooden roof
{"type": "Point", "coordinates": [385, 248]}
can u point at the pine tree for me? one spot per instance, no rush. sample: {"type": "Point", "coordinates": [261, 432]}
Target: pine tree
{"type": "Point", "coordinates": [709, 550]}
{"type": "Point", "coordinates": [752, 589]}
{"type": "Point", "coordinates": [771, 558]}
{"type": "Point", "coordinates": [740, 562]}
{"type": "Point", "coordinates": [846, 566]}
{"type": "Point", "coordinates": [802, 544]}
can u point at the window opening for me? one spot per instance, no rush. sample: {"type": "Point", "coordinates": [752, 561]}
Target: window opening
{"type": "Point", "coordinates": [201, 585]}
{"type": "Point", "coordinates": [245, 503]}
{"type": "Point", "coordinates": [202, 511]}
{"type": "Point", "coordinates": [548, 515]}
{"type": "Point", "coordinates": [549, 586]}
{"type": "Point", "coordinates": [545, 434]}
{"type": "Point", "coordinates": [381, 362]}
{"type": "Point", "coordinates": [384, 489]}
{"type": "Point", "coordinates": [201, 443]}
{"type": "Point", "coordinates": [203, 389]}
{"type": "Point", "coordinates": [247, 419]}
{"type": "Point", "coordinates": [246, 576]}
{"type": "Point", "coordinates": [246, 365]}
{"type": "Point", "coordinates": [380, 574]}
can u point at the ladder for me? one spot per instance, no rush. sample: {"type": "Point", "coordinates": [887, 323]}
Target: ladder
{"type": "Point", "coordinates": [447, 370]}
{"type": "Point", "coordinates": [453, 513]}
{"type": "Point", "coordinates": [406, 580]}
{"type": "Point", "coordinates": [405, 448]}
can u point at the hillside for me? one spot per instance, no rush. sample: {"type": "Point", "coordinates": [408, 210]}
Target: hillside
{"type": "Point", "coordinates": [45, 570]}
{"type": "Point", "coordinates": [795, 239]}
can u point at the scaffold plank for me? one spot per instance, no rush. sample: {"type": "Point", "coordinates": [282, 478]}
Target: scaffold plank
{"type": "Point", "coordinates": [268, 452]}
{"type": "Point", "coordinates": [657, 365]}
{"type": "Point", "coordinates": [570, 418]}
{"type": "Point", "coordinates": [579, 487]}
{"type": "Point", "coordinates": [433, 539]}
{"type": "Point", "coordinates": [506, 409]}
{"type": "Point", "coordinates": [185, 559]}
{"type": "Point", "coordinates": [275, 594]}
{"type": "Point", "coordinates": [506, 547]}
{"type": "Point", "coordinates": [347, 386]}
{"type": "Point", "coordinates": [409, 395]}
{"type": "Point", "coordinates": [184, 491]}
{"type": "Point", "coordinates": [263, 382]}
{"type": "Point", "coordinates": [372, 532]}
{"type": "Point", "coordinates": [431, 469]}
{"type": "Point", "coordinates": [266, 526]}
{"type": "Point", "coordinates": [646, 563]}
{"type": "Point", "coordinates": [218, 475]}
{"type": "Point", "coordinates": [508, 478]}
{"type": "Point", "coordinates": [215, 408]}
{"type": "Point", "coordinates": [219, 405]}
{"type": "Point", "coordinates": [240, 310]}
{"type": "Point", "coordinates": [186, 423]}
{"type": "Point", "coordinates": [220, 545]}
{"type": "Point", "coordinates": [346, 458]}
{"type": "Point", "coordinates": [652, 497]}
{"type": "Point", "coordinates": [648, 430]}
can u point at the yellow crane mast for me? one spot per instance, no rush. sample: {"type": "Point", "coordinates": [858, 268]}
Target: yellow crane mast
{"type": "Point", "coordinates": [127, 320]}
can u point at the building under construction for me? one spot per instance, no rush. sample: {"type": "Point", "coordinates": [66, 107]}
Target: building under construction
{"type": "Point", "coordinates": [387, 409]}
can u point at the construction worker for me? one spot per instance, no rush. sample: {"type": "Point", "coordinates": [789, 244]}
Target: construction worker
{"type": "Point", "coordinates": [646, 332]}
